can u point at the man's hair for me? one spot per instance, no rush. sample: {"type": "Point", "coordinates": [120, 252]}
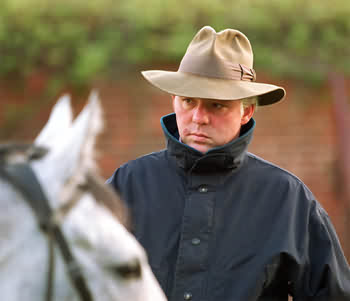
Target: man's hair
{"type": "Point", "coordinates": [247, 102]}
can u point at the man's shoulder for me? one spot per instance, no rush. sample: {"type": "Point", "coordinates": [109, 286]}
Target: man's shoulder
{"type": "Point", "coordinates": [139, 168]}
{"type": "Point", "coordinates": [280, 180]}
{"type": "Point", "coordinates": [147, 160]}
{"type": "Point", "coordinates": [271, 170]}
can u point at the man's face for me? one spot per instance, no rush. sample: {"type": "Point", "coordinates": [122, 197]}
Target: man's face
{"type": "Point", "coordinates": [206, 123]}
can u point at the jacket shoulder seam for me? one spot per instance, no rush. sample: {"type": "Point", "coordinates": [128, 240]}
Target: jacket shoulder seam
{"type": "Point", "coordinates": [144, 157]}
{"type": "Point", "coordinates": [274, 166]}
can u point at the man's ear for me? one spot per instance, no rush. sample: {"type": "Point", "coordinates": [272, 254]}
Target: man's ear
{"type": "Point", "coordinates": [247, 114]}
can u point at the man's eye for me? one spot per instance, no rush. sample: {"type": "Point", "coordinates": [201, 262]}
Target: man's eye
{"type": "Point", "coordinates": [217, 105]}
{"type": "Point", "coordinates": [187, 100]}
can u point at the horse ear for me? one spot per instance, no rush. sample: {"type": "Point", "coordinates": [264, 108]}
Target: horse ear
{"type": "Point", "coordinates": [73, 152]}
{"type": "Point", "coordinates": [59, 122]}
{"type": "Point", "coordinates": [84, 132]}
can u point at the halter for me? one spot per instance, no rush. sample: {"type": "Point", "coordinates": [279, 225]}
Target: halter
{"type": "Point", "coordinates": [21, 176]}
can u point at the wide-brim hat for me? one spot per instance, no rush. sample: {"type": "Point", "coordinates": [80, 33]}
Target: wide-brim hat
{"type": "Point", "coordinates": [216, 66]}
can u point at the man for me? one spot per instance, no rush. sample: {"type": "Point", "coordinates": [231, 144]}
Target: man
{"type": "Point", "coordinates": [217, 222]}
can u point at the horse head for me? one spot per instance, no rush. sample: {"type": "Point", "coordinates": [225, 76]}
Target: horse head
{"type": "Point", "coordinates": [89, 214]}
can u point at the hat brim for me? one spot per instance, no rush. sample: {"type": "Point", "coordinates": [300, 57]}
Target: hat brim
{"type": "Point", "coordinates": [191, 85]}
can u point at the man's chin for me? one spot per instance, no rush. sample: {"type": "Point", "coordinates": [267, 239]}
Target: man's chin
{"type": "Point", "coordinates": [203, 148]}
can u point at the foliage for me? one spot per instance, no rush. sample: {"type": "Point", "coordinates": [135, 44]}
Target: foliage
{"type": "Point", "coordinates": [77, 41]}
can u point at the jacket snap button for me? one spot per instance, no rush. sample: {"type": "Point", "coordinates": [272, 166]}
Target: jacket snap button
{"type": "Point", "coordinates": [195, 241]}
{"type": "Point", "coordinates": [203, 189]}
{"type": "Point", "coordinates": [187, 296]}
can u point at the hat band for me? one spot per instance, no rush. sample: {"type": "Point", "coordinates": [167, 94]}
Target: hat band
{"type": "Point", "coordinates": [211, 68]}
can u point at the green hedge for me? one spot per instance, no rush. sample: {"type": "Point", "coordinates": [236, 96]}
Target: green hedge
{"type": "Point", "coordinates": [77, 41]}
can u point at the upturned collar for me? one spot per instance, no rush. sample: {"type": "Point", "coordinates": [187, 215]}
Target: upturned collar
{"type": "Point", "coordinates": [226, 157]}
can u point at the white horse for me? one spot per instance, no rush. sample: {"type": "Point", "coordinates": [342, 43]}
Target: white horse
{"type": "Point", "coordinates": [111, 261]}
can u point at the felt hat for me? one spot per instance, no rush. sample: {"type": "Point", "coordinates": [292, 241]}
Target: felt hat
{"type": "Point", "coordinates": [216, 65]}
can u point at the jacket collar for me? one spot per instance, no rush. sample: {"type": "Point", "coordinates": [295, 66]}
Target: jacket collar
{"type": "Point", "coordinates": [228, 156]}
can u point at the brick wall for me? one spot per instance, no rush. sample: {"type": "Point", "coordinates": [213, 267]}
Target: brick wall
{"type": "Point", "coordinates": [298, 134]}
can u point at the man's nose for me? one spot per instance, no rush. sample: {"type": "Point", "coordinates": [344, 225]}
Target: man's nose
{"type": "Point", "coordinates": [200, 115]}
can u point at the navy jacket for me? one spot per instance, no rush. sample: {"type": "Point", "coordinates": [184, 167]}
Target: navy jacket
{"type": "Point", "coordinates": [230, 226]}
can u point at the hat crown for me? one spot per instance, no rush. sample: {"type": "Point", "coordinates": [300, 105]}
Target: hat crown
{"type": "Point", "coordinates": [216, 65]}
{"type": "Point", "coordinates": [217, 54]}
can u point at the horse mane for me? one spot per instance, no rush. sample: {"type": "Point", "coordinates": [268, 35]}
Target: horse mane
{"type": "Point", "coordinates": [107, 196]}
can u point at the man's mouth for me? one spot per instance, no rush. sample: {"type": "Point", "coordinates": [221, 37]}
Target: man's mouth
{"type": "Point", "coordinates": [199, 137]}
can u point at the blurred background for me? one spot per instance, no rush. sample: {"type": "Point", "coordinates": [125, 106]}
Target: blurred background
{"type": "Point", "coordinates": [49, 48]}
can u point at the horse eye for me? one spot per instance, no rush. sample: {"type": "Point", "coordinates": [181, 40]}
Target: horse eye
{"type": "Point", "coordinates": [128, 270]}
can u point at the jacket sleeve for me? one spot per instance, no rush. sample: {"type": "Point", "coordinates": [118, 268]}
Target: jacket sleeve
{"type": "Point", "coordinates": [122, 182]}
{"type": "Point", "coordinates": [113, 181]}
{"type": "Point", "coordinates": [325, 274]}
